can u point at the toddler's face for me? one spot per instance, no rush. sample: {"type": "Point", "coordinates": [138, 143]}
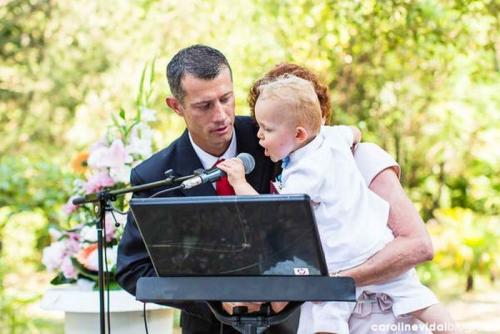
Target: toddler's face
{"type": "Point", "coordinates": [276, 134]}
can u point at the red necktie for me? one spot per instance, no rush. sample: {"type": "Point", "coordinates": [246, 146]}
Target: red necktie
{"type": "Point", "coordinates": [222, 186]}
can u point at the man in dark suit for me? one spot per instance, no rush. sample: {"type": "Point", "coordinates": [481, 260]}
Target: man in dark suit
{"type": "Point", "coordinates": [200, 81]}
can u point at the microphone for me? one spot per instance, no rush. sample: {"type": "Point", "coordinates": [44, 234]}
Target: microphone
{"type": "Point", "coordinates": [213, 174]}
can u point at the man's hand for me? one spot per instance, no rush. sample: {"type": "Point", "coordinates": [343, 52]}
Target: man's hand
{"type": "Point", "coordinates": [252, 307]}
{"type": "Point", "coordinates": [278, 306]}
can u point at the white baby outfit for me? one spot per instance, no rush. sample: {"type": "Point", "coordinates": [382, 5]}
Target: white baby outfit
{"type": "Point", "coordinates": [352, 224]}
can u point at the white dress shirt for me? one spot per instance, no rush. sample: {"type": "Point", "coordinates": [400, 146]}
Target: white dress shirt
{"type": "Point", "coordinates": [208, 160]}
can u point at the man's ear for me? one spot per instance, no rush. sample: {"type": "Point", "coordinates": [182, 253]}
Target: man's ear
{"type": "Point", "coordinates": [175, 105]}
{"type": "Point", "coordinates": [301, 134]}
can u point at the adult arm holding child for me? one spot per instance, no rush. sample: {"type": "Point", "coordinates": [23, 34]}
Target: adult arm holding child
{"type": "Point", "coordinates": [412, 244]}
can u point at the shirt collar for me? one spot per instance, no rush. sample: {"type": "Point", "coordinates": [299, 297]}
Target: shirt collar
{"type": "Point", "coordinates": [301, 152]}
{"type": "Point", "coordinates": [208, 160]}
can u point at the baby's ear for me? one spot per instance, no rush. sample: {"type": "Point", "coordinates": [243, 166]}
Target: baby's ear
{"type": "Point", "coordinates": [301, 134]}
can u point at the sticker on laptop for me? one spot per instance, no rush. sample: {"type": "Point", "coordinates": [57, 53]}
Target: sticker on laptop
{"type": "Point", "coordinates": [301, 271]}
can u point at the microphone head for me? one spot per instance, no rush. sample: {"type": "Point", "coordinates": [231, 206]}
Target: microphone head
{"type": "Point", "coordinates": [248, 162]}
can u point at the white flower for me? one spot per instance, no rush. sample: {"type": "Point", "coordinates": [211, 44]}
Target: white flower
{"type": "Point", "coordinates": [140, 147]}
{"type": "Point", "coordinates": [120, 174]}
{"type": "Point", "coordinates": [142, 131]}
{"type": "Point", "coordinates": [53, 255]}
{"type": "Point", "coordinates": [111, 255]}
{"type": "Point", "coordinates": [88, 234]}
{"type": "Point", "coordinates": [148, 115]}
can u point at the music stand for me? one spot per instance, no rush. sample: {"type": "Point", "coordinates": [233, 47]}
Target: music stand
{"type": "Point", "coordinates": [236, 248]}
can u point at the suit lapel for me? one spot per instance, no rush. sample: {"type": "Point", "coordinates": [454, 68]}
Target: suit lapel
{"type": "Point", "coordinates": [187, 162]}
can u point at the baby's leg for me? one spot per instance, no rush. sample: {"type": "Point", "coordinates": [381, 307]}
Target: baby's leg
{"type": "Point", "coordinates": [437, 318]}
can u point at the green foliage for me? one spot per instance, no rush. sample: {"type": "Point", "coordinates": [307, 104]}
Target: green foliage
{"type": "Point", "coordinates": [28, 183]}
{"type": "Point", "coordinates": [31, 193]}
{"type": "Point", "coordinates": [421, 78]}
{"type": "Point", "coordinates": [465, 242]}
{"type": "Point", "coordinates": [13, 321]}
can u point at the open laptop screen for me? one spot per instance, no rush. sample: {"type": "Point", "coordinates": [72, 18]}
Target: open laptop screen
{"type": "Point", "coordinates": [230, 235]}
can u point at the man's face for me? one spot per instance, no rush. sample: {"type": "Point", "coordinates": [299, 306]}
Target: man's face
{"type": "Point", "coordinates": [208, 109]}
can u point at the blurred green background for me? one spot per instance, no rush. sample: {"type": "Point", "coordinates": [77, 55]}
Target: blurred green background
{"type": "Point", "coordinates": [420, 78]}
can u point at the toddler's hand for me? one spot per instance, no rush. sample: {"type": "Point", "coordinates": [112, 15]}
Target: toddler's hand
{"type": "Point", "coordinates": [235, 171]}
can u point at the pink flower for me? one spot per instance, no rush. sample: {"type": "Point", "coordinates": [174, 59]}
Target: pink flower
{"type": "Point", "coordinates": [98, 181]}
{"type": "Point", "coordinates": [104, 157]}
{"type": "Point", "coordinates": [69, 207]}
{"type": "Point", "coordinates": [110, 226]}
{"type": "Point", "coordinates": [72, 243]}
{"type": "Point", "coordinates": [67, 268]}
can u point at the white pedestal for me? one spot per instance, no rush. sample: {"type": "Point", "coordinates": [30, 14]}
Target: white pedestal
{"type": "Point", "coordinates": [82, 312]}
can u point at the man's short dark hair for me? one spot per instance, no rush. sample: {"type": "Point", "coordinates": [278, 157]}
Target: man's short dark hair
{"type": "Point", "coordinates": [198, 60]}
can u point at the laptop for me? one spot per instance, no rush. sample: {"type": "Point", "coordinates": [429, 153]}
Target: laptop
{"type": "Point", "coordinates": [230, 235]}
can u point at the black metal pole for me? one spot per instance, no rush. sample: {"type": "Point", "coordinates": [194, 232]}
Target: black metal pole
{"type": "Point", "coordinates": [100, 246]}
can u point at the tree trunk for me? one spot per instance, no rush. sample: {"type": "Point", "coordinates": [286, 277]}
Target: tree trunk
{"type": "Point", "coordinates": [470, 283]}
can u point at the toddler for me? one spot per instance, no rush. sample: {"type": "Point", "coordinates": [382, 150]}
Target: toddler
{"type": "Point", "coordinates": [352, 220]}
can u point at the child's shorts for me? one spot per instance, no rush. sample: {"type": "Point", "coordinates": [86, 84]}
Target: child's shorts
{"type": "Point", "coordinates": [406, 291]}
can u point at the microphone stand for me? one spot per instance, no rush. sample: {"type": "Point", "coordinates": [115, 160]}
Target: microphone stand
{"type": "Point", "coordinates": [103, 201]}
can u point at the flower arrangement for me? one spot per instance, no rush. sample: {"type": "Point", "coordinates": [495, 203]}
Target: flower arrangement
{"type": "Point", "coordinates": [106, 165]}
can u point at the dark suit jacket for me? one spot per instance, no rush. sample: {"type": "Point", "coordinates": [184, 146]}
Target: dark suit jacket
{"type": "Point", "coordinates": [133, 260]}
